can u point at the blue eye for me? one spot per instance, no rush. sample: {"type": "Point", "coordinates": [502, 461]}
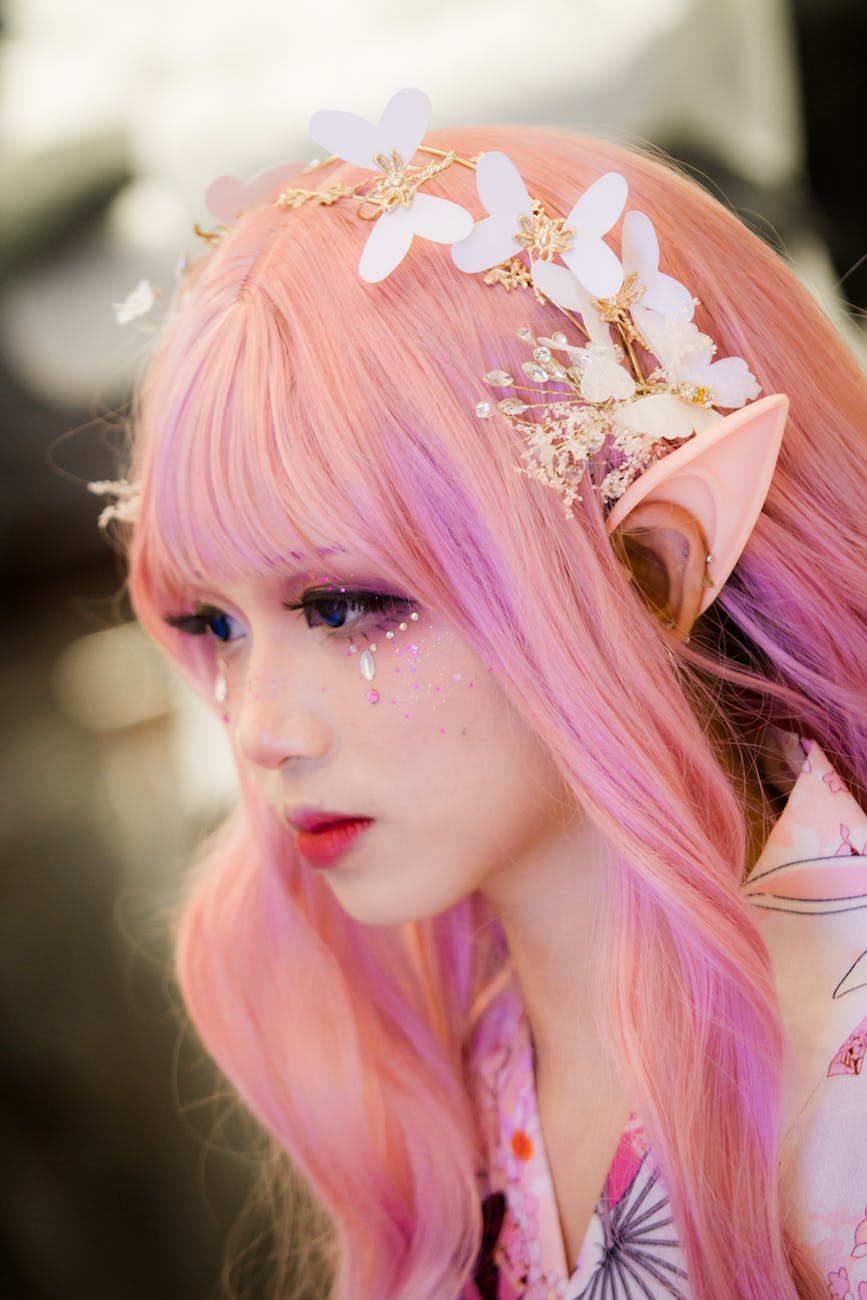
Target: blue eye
{"type": "Point", "coordinates": [333, 608]}
{"type": "Point", "coordinates": [207, 620]}
{"type": "Point", "coordinates": [219, 625]}
{"type": "Point", "coordinates": [345, 609]}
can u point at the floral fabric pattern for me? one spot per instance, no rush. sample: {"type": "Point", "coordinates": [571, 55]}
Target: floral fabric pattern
{"type": "Point", "coordinates": [809, 889]}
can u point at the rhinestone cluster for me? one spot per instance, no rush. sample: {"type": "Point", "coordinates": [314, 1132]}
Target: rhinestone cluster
{"type": "Point", "coordinates": [568, 432]}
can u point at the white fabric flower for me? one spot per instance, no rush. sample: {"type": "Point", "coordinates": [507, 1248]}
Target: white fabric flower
{"type": "Point", "coordinates": [400, 130]}
{"type": "Point", "coordinates": [507, 199]}
{"type": "Point", "coordinates": [560, 285]}
{"type": "Point", "coordinates": [603, 377]}
{"type": "Point", "coordinates": [676, 341]}
{"type": "Point", "coordinates": [665, 415]}
{"type": "Point", "coordinates": [136, 303]}
{"type": "Point", "coordinates": [640, 252]}
{"type": "Point", "coordinates": [728, 382]}
{"type": "Point", "coordinates": [687, 358]}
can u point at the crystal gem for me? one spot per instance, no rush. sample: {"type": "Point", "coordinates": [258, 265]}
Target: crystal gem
{"type": "Point", "coordinates": [414, 616]}
{"type": "Point", "coordinates": [542, 354]}
{"type": "Point", "coordinates": [512, 406]}
{"type": "Point", "coordinates": [373, 696]}
{"type": "Point", "coordinates": [367, 664]}
{"type": "Point", "coordinates": [483, 410]}
{"type": "Point", "coordinates": [221, 689]}
{"type": "Point", "coordinates": [525, 334]}
{"type": "Point", "coordinates": [401, 627]}
{"type": "Point", "coordinates": [535, 372]}
{"type": "Point", "coordinates": [499, 379]}
{"type": "Point", "coordinates": [559, 338]}
{"type": "Point", "coordinates": [389, 636]}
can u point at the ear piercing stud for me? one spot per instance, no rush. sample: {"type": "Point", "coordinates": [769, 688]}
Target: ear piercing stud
{"type": "Point", "coordinates": [707, 580]}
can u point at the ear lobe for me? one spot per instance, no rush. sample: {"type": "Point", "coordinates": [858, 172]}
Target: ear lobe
{"type": "Point", "coordinates": [721, 477]}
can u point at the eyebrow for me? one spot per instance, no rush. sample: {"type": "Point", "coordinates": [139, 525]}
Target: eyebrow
{"type": "Point", "coordinates": [320, 550]}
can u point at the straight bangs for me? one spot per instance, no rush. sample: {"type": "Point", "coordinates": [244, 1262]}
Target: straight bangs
{"type": "Point", "coordinates": [259, 448]}
{"type": "Point", "coordinates": [229, 489]}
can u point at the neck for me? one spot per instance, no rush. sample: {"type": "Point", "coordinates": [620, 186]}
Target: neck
{"type": "Point", "coordinates": [553, 907]}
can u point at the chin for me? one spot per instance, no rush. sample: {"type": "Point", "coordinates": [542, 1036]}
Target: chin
{"type": "Point", "coordinates": [379, 906]}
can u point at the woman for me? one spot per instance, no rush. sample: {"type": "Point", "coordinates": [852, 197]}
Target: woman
{"type": "Point", "coordinates": [582, 675]}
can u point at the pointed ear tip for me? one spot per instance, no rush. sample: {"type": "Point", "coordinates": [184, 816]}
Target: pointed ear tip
{"type": "Point", "coordinates": [775, 403]}
{"type": "Point", "coordinates": [769, 412]}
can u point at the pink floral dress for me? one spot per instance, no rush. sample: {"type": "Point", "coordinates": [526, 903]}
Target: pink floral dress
{"type": "Point", "coordinates": [809, 887]}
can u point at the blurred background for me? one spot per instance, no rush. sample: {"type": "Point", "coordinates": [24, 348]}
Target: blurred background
{"type": "Point", "coordinates": [124, 1165]}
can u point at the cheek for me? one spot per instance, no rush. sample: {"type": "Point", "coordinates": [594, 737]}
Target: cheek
{"type": "Point", "coordinates": [422, 683]}
{"type": "Point", "coordinates": [450, 735]}
{"type": "Point", "coordinates": [426, 680]}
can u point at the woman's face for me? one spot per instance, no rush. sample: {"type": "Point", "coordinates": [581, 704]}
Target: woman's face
{"type": "Point", "coordinates": [459, 789]}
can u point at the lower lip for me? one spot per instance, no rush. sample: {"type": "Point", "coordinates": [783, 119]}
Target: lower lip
{"type": "Point", "coordinates": [324, 848]}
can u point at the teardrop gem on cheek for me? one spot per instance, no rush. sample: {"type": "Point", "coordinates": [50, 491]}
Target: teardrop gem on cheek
{"type": "Point", "coordinates": [221, 686]}
{"type": "Point", "coordinates": [373, 696]}
{"type": "Point", "coordinates": [367, 664]}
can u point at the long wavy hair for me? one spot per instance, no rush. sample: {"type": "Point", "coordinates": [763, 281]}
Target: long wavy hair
{"type": "Point", "coordinates": [288, 397]}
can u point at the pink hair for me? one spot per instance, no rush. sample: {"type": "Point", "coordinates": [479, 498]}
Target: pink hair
{"type": "Point", "coordinates": [289, 398]}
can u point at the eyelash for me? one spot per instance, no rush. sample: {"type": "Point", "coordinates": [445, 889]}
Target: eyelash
{"type": "Point", "coordinates": [364, 603]}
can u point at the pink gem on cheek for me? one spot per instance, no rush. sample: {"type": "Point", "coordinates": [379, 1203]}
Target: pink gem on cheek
{"type": "Point", "coordinates": [434, 655]}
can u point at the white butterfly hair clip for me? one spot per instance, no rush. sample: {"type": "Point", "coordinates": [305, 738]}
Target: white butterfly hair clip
{"type": "Point", "coordinates": [518, 223]}
{"type": "Point", "coordinates": [393, 201]}
{"type": "Point", "coordinates": [636, 375]}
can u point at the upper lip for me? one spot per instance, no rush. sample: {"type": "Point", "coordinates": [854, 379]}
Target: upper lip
{"type": "Point", "coordinates": [313, 819]}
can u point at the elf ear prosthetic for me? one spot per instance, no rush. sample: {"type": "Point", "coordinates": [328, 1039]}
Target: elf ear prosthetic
{"type": "Point", "coordinates": [681, 527]}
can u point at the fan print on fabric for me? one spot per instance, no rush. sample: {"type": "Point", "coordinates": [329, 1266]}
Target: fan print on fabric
{"type": "Point", "coordinates": [631, 1248]}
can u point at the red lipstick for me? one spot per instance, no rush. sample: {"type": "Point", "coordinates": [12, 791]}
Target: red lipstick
{"type": "Point", "coordinates": [323, 837]}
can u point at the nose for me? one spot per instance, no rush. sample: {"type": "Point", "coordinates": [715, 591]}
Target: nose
{"type": "Point", "coordinates": [274, 725]}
